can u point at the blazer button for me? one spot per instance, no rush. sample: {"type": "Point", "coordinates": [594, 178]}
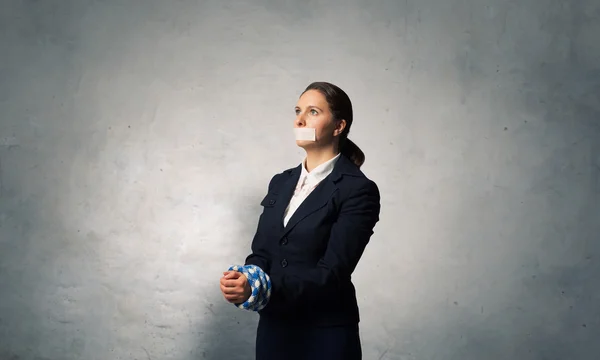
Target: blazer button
{"type": "Point", "coordinates": [284, 241]}
{"type": "Point", "coordinates": [284, 263]}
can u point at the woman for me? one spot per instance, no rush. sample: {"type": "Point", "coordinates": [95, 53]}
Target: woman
{"type": "Point", "coordinates": [317, 219]}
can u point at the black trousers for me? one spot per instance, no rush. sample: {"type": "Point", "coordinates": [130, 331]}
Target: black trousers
{"type": "Point", "coordinates": [286, 341]}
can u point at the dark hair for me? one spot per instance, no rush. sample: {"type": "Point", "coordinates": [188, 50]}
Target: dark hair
{"type": "Point", "coordinates": [341, 108]}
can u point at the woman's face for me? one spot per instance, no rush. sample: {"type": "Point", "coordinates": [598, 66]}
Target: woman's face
{"type": "Point", "coordinates": [312, 111]}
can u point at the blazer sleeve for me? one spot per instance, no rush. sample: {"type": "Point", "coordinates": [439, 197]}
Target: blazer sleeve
{"type": "Point", "coordinates": [349, 236]}
{"type": "Point", "coordinates": [258, 256]}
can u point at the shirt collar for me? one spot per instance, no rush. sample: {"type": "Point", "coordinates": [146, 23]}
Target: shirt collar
{"type": "Point", "coordinates": [320, 172]}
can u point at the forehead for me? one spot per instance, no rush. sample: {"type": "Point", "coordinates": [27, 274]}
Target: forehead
{"type": "Point", "coordinates": [312, 98]}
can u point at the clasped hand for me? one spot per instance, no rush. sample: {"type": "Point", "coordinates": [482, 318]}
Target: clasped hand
{"type": "Point", "coordinates": [235, 287]}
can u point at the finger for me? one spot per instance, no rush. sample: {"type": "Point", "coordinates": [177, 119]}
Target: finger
{"type": "Point", "coordinates": [231, 290]}
{"type": "Point", "coordinates": [230, 283]}
{"type": "Point", "coordinates": [227, 290]}
{"type": "Point", "coordinates": [242, 280]}
{"type": "Point", "coordinates": [232, 275]}
{"type": "Point", "coordinates": [227, 282]}
{"type": "Point", "coordinates": [232, 298]}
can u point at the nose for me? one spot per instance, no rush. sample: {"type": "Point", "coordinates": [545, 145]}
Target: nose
{"type": "Point", "coordinates": [300, 120]}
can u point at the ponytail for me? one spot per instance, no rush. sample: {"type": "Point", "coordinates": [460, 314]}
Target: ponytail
{"type": "Point", "coordinates": [350, 150]}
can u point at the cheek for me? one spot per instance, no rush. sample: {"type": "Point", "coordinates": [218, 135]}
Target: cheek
{"type": "Point", "coordinates": [321, 125]}
{"type": "Point", "coordinates": [320, 131]}
{"type": "Point", "coordinates": [324, 129]}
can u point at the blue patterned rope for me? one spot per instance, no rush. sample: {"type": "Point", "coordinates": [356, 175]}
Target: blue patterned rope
{"type": "Point", "coordinates": [260, 282]}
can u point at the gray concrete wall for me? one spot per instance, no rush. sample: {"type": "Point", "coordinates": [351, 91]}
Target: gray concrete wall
{"type": "Point", "coordinates": [138, 137]}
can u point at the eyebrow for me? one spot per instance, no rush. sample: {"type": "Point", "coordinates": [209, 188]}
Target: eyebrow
{"type": "Point", "coordinates": [310, 106]}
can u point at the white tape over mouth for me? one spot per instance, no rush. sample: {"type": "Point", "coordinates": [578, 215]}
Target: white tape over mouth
{"type": "Point", "coordinates": [308, 134]}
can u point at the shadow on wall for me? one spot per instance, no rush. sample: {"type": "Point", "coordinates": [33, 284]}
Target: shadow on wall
{"type": "Point", "coordinates": [14, 232]}
{"type": "Point", "coordinates": [231, 332]}
{"type": "Point", "coordinates": [560, 323]}
{"type": "Point", "coordinates": [25, 266]}
{"type": "Point", "coordinates": [553, 309]}
{"type": "Point", "coordinates": [554, 312]}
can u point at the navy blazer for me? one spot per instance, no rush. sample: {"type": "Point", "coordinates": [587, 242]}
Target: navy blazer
{"type": "Point", "coordinates": [311, 260]}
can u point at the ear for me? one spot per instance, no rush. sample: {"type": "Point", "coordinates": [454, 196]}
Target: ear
{"type": "Point", "coordinates": [339, 127]}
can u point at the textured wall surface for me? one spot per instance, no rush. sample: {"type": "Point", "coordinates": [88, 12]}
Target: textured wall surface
{"type": "Point", "coordinates": [138, 137]}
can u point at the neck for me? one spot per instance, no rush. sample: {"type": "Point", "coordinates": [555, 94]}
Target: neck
{"type": "Point", "coordinates": [316, 157]}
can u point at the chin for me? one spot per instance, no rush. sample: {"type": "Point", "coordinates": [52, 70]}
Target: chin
{"type": "Point", "coordinates": [305, 144]}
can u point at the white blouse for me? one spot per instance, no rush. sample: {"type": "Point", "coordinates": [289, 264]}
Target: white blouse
{"type": "Point", "coordinates": [306, 184]}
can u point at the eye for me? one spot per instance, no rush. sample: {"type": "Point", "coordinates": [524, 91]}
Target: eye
{"type": "Point", "coordinates": [314, 112]}
{"type": "Point", "coordinates": [297, 111]}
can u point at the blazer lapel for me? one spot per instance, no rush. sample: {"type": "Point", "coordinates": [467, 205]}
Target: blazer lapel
{"type": "Point", "coordinates": [315, 200]}
{"type": "Point", "coordinates": [286, 190]}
